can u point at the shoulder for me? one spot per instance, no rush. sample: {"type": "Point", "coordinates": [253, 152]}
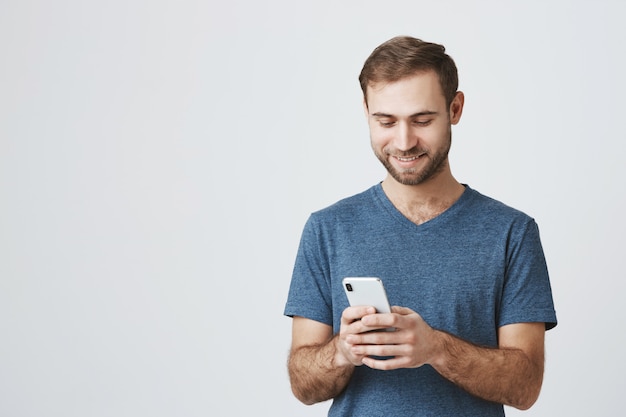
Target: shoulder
{"type": "Point", "coordinates": [348, 207]}
{"type": "Point", "coordinates": [345, 217]}
{"type": "Point", "coordinates": [488, 208]}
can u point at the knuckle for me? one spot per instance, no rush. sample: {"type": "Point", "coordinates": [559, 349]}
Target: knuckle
{"type": "Point", "coordinates": [411, 339]}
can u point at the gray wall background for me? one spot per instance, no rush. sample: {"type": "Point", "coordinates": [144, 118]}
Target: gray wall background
{"type": "Point", "coordinates": [158, 160]}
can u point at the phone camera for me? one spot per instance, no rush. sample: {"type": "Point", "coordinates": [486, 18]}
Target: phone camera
{"type": "Point", "coordinates": [349, 287]}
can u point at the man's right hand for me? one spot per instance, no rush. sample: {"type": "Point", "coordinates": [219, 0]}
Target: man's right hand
{"type": "Point", "coordinates": [351, 324]}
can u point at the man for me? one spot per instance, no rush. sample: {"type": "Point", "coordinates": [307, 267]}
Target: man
{"type": "Point", "coordinates": [466, 272]}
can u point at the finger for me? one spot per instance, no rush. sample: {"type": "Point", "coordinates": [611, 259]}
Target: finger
{"type": "Point", "coordinates": [379, 320]}
{"type": "Point", "coordinates": [352, 314]}
{"type": "Point", "coordinates": [402, 310]}
{"type": "Point", "coordinates": [384, 364]}
{"type": "Point", "coordinates": [373, 338]}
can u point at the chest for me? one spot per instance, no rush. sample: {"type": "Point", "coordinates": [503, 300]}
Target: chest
{"type": "Point", "coordinates": [453, 280]}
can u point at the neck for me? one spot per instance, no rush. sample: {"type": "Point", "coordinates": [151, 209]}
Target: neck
{"type": "Point", "coordinates": [425, 201]}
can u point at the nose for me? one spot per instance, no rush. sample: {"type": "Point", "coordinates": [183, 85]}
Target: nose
{"type": "Point", "coordinates": [405, 138]}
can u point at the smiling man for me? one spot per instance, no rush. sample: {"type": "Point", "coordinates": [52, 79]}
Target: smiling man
{"type": "Point", "coordinates": [466, 273]}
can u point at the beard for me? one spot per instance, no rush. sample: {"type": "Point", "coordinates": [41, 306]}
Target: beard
{"type": "Point", "coordinates": [414, 176]}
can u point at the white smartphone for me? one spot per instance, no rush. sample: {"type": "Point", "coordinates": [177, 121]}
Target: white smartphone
{"type": "Point", "coordinates": [366, 291]}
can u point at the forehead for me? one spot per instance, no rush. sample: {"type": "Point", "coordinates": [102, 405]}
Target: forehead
{"type": "Point", "coordinates": [418, 92]}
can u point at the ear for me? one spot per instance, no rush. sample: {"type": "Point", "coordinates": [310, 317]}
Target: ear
{"type": "Point", "coordinates": [456, 107]}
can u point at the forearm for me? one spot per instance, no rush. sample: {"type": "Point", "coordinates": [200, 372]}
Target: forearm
{"type": "Point", "coordinates": [506, 376]}
{"type": "Point", "coordinates": [316, 374]}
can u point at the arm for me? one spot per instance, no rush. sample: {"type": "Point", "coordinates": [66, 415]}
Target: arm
{"type": "Point", "coordinates": [320, 365]}
{"type": "Point", "coordinates": [312, 365]}
{"type": "Point", "coordinates": [511, 374]}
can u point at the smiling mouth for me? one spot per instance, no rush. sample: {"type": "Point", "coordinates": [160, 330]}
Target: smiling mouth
{"type": "Point", "coordinates": [408, 158]}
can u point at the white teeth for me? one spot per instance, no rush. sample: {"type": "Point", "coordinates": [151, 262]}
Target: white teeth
{"type": "Point", "coordinates": [413, 158]}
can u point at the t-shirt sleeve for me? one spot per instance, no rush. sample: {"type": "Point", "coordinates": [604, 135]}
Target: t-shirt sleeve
{"type": "Point", "coordinates": [309, 293]}
{"type": "Point", "coordinates": [527, 294]}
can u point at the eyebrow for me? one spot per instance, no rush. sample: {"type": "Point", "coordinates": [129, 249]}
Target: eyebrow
{"type": "Point", "coordinates": [418, 114]}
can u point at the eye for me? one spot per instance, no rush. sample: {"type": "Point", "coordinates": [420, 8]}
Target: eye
{"type": "Point", "coordinates": [386, 123]}
{"type": "Point", "coordinates": [422, 122]}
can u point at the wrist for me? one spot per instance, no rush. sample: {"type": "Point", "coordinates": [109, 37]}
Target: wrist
{"type": "Point", "coordinates": [340, 360]}
{"type": "Point", "coordinates": [441, 340]}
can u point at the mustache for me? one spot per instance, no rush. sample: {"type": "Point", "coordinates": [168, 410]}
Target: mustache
{"type": "Point", "coordinates": [415, 151]}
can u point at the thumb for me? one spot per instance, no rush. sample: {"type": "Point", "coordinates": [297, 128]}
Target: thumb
{"type": "Point", "coordinates": [402, 310]}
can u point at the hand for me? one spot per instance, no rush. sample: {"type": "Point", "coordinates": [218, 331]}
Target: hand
{"type": "Point", "coordinates": [352, 323]}
{"type": "Point", "coordinates": [413, 343]}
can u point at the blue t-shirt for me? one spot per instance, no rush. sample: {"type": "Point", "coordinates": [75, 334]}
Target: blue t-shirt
{"type": "Point", "coordinates": [474, 268]}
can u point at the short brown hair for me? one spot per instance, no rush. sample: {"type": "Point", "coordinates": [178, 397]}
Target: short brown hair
{"type": "Point", "coordinates": [404, 56]}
